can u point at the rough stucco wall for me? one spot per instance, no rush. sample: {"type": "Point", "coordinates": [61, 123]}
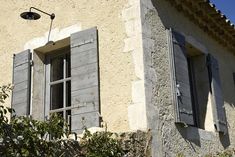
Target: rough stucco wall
{"type": "Point", "coordinates": [116, 67]}
{"type": "Point", "coordinates": [169, 140]}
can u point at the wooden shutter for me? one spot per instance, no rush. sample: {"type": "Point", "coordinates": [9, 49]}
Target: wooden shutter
{"type": "Point", "coordinates": [181, 83]}
{"type": "Point", "coordinates": [217, 96]}
{"type": "Point", "coordinates": [21, 82]}
{"type": "Point", "coordinates": [84, 80]}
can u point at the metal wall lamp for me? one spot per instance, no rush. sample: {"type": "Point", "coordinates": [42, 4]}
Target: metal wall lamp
{"type": "Point", "coordinates": [35, 16]}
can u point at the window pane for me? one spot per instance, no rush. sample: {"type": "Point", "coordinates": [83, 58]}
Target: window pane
{"type": "Point", "coordinates": [68, 65]}
{"type": "Point", "coordinates": [56, 96]}
{"type": "Point", "coordinates": [57, 68]}
{"type": "Point", "coordinates": [68, 93]}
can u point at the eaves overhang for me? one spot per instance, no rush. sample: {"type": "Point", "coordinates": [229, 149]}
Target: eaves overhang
{"type": "Point", "coordinates": [211, 20]}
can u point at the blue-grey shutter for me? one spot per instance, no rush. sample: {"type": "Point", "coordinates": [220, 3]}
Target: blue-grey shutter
{"type": "Point", "coordinates": [181, 82]}
{"type": "Point", "coordinates": [219, 116]}
{"type": "Point", "coordinates": [21, 83]}
{"type": "Point", "coordinates": [84, 80]}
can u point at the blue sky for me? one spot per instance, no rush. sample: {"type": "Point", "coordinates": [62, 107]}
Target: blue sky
{"type": "Point", "coordinates": [227, 7]}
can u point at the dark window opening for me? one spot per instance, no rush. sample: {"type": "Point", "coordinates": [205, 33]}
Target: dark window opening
{"type": "Point", "coordinates": [56, 96]}
{"type": "Point", "coordinates": [199, 85]}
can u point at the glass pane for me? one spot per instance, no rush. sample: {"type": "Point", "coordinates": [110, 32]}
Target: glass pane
{"type": "Point", "coordinates": [56, 96]}
{"type": "Point", "coordinates": [57, 68]}
{"type": "Point", "coordinates": [68, 65]}
{"type": "Point", "coordinates": [68, 93]}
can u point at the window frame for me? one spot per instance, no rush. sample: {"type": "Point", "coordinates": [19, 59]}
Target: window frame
{"type": "Point", "coordinates": [65, 51]}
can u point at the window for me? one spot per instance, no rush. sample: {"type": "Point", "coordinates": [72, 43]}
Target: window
{"type": "Point", "coordinates": [58, 77]}
{"type": "Point", "coordinates": [199, 85]}
{"type": "Point", "coordinates": [196, 85]}
{"type": "Point", "coordinates": [65, 80]}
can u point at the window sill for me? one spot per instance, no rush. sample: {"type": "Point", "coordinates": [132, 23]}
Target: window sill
{"type": "Point", "coordinates": [194, 133]}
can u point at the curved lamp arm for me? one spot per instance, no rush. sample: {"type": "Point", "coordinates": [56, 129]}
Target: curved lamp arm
{"type": "Point", "coordinates": [34, 16]}
{"type": "Point", "coordinates": [51, 15]}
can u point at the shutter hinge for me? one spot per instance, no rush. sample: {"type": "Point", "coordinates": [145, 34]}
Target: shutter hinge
{"type": "Point", "coordinates": [178, 93]}
{"type": "Point", "coordinates": [84, 42]}
{"type": "Point", "coordinates": [31, 62]}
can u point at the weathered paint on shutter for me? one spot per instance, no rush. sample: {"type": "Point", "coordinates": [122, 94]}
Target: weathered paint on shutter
{"type": "Point", "coordinates": [21, 83]}
{"type": "Point", "coordinates": [181, 83]}
{"type": "Point", "coordinates": [84, 80]}
{"type": "Point", "coordinates": [217, 96]}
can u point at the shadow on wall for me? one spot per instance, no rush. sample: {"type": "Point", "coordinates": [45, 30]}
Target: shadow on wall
{"type": "Point", "coordinates": [192, 134]}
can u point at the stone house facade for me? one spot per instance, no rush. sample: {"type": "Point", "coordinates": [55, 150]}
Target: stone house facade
{"type": "Point", "coordinates": [161, 65]}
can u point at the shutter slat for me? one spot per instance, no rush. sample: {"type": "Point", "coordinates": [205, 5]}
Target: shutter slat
{"type": "Point", "coordinates": [84, 120]}
{"type": "Point", "coordinates": [84, 80]}
{"type": "Point", "coordinates": [21, 86]}
{"type": "Point", "coordinates": [21, 76]}
{"type": "Point", "coordinates": [20, 96]}
{"type": "Point", "coordinates": [20, 110]}
{"type": "Point", "coordinates": [84, 47]}
{"type": "Point", "coordinates": [84, 58]}
{"type": "Point", "coordinates": [182, 97]}
{"type": "Point", "coordinates": [83, 108]}
{"type": "Point", "coordinates": [85, 37]}
{"type": "Point", "coordinates": [21, 58]}
{"type": "Point", "coordinates": [85, 95]}
{"type": "Point", "coordinates": [22, 67]}
{"type": "Point", "coordinates": [217, 97]}
{"type": "Point", "coordinates": [86, 69]}
{"type": "Point", "coordinates": [21, 82]}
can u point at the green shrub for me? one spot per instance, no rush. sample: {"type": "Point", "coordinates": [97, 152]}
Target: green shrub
{"type": "Point", "coordinates": [25, 137]}
{"type": "Point", "coordinates": [101, 144]}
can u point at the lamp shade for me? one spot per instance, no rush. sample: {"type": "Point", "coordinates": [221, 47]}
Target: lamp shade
{"type": "Point", "coordinates": [30, 15]}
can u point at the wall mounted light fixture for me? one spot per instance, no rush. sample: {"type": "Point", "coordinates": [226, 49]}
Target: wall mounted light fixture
{"type": "Point", "coordinates": [35, 16]}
